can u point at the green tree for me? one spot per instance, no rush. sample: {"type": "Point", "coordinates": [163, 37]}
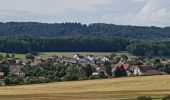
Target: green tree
{"type": "Point", "coordinates": [120, 72]}
{"type": "Point", "coordinates": [1, 57]}
{"type": "Point", "coordinates": [156, 61]}
{"type": "Point", "coordinates": [113, 55]}
{"type": "Point", "coordinates": [30, 56]}
{"type": "Point", "coordinates": [123, 56]}
{"type": "Point", "coordinates": [73, 73]}
{"type": "Point", "coordinates": [108, 68]}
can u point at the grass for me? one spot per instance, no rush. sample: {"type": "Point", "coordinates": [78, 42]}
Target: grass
{"type": "Point", "coordinates": [71, 54]}
{"type": "Point", "coordinates": [45, 55]}
{"type": "Point", "coordinates": [106, 89]}
{"type": "Point", "coordinates": [17, 55]}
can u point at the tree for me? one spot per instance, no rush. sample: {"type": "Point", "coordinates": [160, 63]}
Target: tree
{"type": "Point", "coordinates": [73, 73]}
{"type": "Point", "coordinates": [4, 68]}
{"type": "Point", "coordinates": [13, 55]}
{"type": "Point", "coordinates": [135, 61]}
{"type": "Point", "coordinates": [30, 56]}
{"type": "Point", "coordinates": [108, 68]}
{"type": "Point", "coordinates": [156, 61]}
{"type": "Point", "coordinates": [160, 53]}
{"type": "Point", "coordinates": [1, 57]}
{"type": "Point", "coordinates": [120, 72]}
{"type": "Point", "coordinates": [113, 55]}
{"type": "Point", "coordinates": [117, 59]}
{"type": "Point", "coordinates": [7, 55]}
{"type": "Point", "coordinates": [88, 70]}
{"type": "Point", "coordinates": [159, 66]}
{"type": "Point", "coordinates": [124, 57]}
{"type": "Point", "coordinates": [101, 74]}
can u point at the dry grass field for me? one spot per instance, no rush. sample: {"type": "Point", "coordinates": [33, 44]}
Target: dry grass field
{"type": "Point", "coordinates": [106, 89]}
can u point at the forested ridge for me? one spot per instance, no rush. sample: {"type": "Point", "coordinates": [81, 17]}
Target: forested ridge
{"type": "Point", "coordinates": [72, 29]}
{"type": "Point", "coordinates": [32, 37]}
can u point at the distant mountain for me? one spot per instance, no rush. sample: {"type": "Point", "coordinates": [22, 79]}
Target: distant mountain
{"type": "Point", "coordinates": [72, 29]}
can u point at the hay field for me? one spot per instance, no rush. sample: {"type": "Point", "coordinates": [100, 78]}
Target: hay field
{"type": "Point", "coordinates": [106, 89]}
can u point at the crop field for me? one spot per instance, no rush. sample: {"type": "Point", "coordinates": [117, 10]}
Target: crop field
{"type": "Point", "coordinates": [105, 89]}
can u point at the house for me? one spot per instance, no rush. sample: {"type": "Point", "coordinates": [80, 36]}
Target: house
{"type": "Point", "coordinates": [11, 61]}
{"type": "Point", "coordinates": [79, 57]}
{"type": "Point", "coordinates": [146, 70]}
{"type": "Point", "coordinates": [105, 58]}
{"type": "Point", "coordinates": [2, 74]}
{"type": "Point", "coordinates": [37, 60]}
{"type": "Point", "coordinates": [91, 57]}
{"type": "Point", "coordinates": [26, 61]}
{"type": "Point", "coordinates": [95, 73]}
{"type": "Point", "coordinates": [166, 62]}
{"type": "Point", "coordinates": [71, 61]}
{"type": "Point", "coordinates": [16, 70]}
{"type": "Point", "coordinates": [19, 61]}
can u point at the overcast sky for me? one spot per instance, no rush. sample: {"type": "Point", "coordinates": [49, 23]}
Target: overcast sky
{"type": "Point", "coordinates": [128, 12]}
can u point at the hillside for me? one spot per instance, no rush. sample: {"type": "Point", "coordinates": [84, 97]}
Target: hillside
{"type": "Point", "coordinates": [110, 89]}
{"type": "Point", "coordinates": [33, 37]}
{"type": "Point", "coordinates": [73, 29]}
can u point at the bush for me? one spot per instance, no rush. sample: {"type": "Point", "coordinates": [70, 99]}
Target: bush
{"type": "Point", "coordinates": [2, 83]}
{"type": "Point", "coordinates": [57, 79]}
{"type": "Point", "coordinates": [13, 80]}
{"type": "Point", "coordinates": [94, 77]}
{"type": "Point", "coordinates": [166, 97]}
{"type": "Point", "coordinates": [144, 98]}
{"type": "Point", "coordinates": [102, 75]}
{"type": "Point", "coordinates": [71, 78]}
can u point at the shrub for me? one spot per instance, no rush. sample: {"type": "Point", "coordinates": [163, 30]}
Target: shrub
{"type": "Point", "coordinates": [144, 98]}
{"type": "Point", "coordinates": [94, 77]}
{"type": "Point", "coordinates": [166, 97]}
{"type": "Point", "coordinates": [2, 83]}
{"type": "Point", "coordinates": [71, 77]}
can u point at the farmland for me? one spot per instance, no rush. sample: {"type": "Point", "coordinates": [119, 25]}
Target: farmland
{"type": "Point", "coordinates": [110, 89]}
{"type": "Point", "coordinates": [45, 55]}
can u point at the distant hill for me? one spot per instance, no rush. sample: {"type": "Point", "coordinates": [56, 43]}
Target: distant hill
{"type": "Point", "coordinates": [72, 29]}
{"type": "Point", "coordinates": [32, 37]}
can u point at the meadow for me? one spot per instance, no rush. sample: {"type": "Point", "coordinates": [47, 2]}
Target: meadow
{"type": "Point", "coordinates": [45, 55]}
{"type": "Point", "coordinates": [106, 89]}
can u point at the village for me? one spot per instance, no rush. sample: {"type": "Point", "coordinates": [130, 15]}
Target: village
{"type": "Point", "coordinates": [35, 69]}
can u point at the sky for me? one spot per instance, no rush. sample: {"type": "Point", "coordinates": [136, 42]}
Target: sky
{"type": "Point", "coordinates": [121, 12]}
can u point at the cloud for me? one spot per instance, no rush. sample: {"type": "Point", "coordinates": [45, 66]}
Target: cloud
{"type": "Point", "coordinates": [140, 0]}
{"type": "Point", "coordinates": [50, 6]}
{"type": "Point", "coordinates": [154, 13]}
{"type": "Point", "coordinates": [131, 12]}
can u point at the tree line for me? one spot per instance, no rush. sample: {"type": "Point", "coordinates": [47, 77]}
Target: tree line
{"type": "Point", "coordinates": [74, 29]}
{"type": "Point", "coordinates": [27, 44]}
{"type": "Point", "coordinates": [30, 44]}
{"type": "Point", "coordinates": [32, 37]}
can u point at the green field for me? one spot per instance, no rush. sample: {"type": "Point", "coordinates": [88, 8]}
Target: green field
{"type": "Point", "coordinates": [17, 55]}
{"type": "Point", "coordinates": [45, 55]}
{"type": "Point", "coordinates": [107, 89]}
{"type": "Point", "coordinates": [71, 54]}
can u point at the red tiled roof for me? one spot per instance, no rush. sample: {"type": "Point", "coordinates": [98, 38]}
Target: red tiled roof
{"type": "Point", "coordinates": [145, 68]}
{"type": "Point", "coordinates": [126, 66]}
{"type": "Point", "coordinates": [2, 74]}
